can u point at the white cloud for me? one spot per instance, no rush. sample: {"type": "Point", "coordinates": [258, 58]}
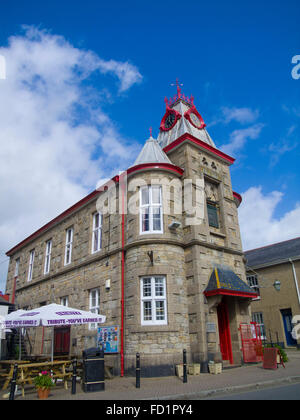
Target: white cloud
{"type": "Point", "coordinates": [55, 140]}
{"type": "Point", "coordinates": [259, 226]}
{"type": "Point", "coordinates": [241, 115]}
{"type": "Point", "coordinates": [238, 138]}
{"type": "Point", "coordinates": [284, 145]}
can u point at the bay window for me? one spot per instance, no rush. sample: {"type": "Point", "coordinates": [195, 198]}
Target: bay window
{"type": "Point", "coordinates": [151, 211]}
{"type": "Point", "coordinates": [153, 301]}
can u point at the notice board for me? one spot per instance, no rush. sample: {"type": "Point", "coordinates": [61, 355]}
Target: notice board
{"type": "Point", "coordinates": [270, 358]}
{"type": "Point", "coordinates": [108, 338]}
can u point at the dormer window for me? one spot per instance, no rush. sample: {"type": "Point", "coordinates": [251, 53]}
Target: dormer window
{"type": "Point", "coordinates": [151, 214]}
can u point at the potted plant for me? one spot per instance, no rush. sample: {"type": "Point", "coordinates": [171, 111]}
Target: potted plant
{"type": "Point", "coordinates": [215, 367]}
{"type": "Point", "coordinates": [43, 382]}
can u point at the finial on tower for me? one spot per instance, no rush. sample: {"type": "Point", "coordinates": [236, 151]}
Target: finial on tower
{"type": "Point", "coordinates": [150, 129]}
{"type": "Point", "coordinates": [178, 87]}
{"type": "Point", "coordinates": [170, 102]}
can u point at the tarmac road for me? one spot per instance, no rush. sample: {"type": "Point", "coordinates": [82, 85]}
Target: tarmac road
{"type": "Point", "coordinates": [283, 393]}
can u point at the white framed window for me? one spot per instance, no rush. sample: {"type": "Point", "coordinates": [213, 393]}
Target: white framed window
{"type": "Point", "coordinates": [48, 256]}
{"type": "Point", "coordinates": [64, 301]}
{"type": "Point", "coordinates": [97, 232]}
{"type": "Point", "coordinates": [151, 211]}
{"type": "Point", "coordinates": [17, 266]}
{"type": "Point", "coordinates": [153, 301]}
{"type": "Point", "coordinates": [69, 245]}
{"type": "Point", "coordinates": [31, 262]}
{"type": "Point", "coordinates": [259, 319]}
{"type": "Point", "coordinates": [94, 305]}
{"type": "Point", "coordinates": [253, 283]}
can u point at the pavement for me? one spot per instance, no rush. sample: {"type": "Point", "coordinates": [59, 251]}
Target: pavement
{"type": "Point", "coordinates": [240, 379]}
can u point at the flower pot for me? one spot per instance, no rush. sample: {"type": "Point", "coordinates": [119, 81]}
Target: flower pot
{"type": "Point", "coordinates": [194, 369]}
{"type": "Point", "coordinates": [43, 393]}
{"type": "Point", "coordinates": [215, 368]}
{"type": "Point", "coordinates": [179, 370]}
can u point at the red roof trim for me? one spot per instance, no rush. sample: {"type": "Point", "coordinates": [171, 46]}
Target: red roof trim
{"type": "Point", "coordinates": [162, 166]}
{"type": "Point", "coordinates": [230, 293]}
{"type": "Point", "coordinates": [237, 196]}
{"type": "Point", "coordinates": [61, 216]}
{"type": "Point", "coordinates": [200, 143]}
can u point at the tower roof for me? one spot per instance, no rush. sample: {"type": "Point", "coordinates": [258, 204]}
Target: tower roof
{"type": "Point", "coordinates": [151, 153]}
{"type": "Point", "coordinates": [187, 120]}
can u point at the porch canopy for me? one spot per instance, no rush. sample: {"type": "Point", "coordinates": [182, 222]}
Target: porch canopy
{"type": "Point", "coordinates": [223, 281]}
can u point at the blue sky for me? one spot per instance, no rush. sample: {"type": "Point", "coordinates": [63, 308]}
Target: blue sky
{"type": "Point", "coordinates": [234, 57]}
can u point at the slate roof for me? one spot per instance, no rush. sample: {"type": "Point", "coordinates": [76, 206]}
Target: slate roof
{"type": "Point", "coordinates": [151, 153]}
{"type": "Point", "coordinates": [271, 254]}
{"type": "Point", "coordinates": [223, 279]}
{"type": "Point", "coordinates": [181, 127]}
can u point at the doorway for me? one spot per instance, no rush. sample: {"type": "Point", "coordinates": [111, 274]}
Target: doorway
{"type": "Point", "coordinates": [224, 332]}
{"type": "Point", "coordinates": [61, 341]}
{"type": "Point", "coordinates": [287, 323]}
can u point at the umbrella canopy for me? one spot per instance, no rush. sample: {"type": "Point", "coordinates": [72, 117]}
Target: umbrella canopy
{"type": "Point", "coordinates": [50, 316]}
{"type": "Point", "coordinates": [13, 319]}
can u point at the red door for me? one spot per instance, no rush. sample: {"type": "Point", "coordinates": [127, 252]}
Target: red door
{"type": "Point", "coordinates": [61, 341]}
{"type": "Point", "coordinates": [224, 332]}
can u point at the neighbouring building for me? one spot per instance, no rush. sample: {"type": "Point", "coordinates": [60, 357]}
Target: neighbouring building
{"type": "Point", "coordinates": [157, 250]}
{"type": "Point", "coordinates": [274, 272]}
{"type": "Point", "coordinates": [5, 308]}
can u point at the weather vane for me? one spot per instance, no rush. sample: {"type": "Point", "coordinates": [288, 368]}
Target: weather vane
{"type": "Point", "coordinates": [177, 84]}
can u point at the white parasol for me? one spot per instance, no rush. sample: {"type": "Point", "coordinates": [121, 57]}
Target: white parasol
{"type": "Point", "coordinates": [50, 316]}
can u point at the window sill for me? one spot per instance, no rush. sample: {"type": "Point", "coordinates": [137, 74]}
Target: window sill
{"type": "Point", "coordinates": [213, 232]}
{"type": "Point", "coordinates": [96, 252]}
{"type": "Point", "coordinates": [152, 232]}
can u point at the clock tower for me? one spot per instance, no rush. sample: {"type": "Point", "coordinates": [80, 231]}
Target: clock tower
{"type": "Point", "coordinates": [215, 270]}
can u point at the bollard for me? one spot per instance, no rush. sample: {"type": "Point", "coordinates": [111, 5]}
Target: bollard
{"type": "Point", "coordinates": [13, 383]}
{"type": "Point", "coordinates": [74, 376]}
{"type": "Point", "coordinates": [184, 367]}
{"type": "Point", "coordinates": [138, 371]}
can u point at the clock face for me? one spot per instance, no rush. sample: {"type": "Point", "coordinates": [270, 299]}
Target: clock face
{"type": "Point", "coordinates": [195, 120]}
{"type": "Point", "coordinates": [169, 121]}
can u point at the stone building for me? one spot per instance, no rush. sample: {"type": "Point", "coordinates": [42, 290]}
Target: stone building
{"type": "Point", "coordinates": [157, 250]}
{"type": "Point", "coordinates": [273, 272]}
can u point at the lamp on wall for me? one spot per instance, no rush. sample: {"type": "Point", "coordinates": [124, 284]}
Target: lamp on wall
{"type": "Point", "coordinates": [174, 225]}
{"type": "Point", "coordinates": [277, 285]}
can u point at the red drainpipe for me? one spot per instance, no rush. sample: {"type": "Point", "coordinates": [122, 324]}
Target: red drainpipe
{"type": "Point", "coordinates": [122, 186]}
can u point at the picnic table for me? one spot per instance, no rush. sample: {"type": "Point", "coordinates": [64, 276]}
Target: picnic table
{"type": "Point", "coordinates": [29, 371]}
{"type": "Point", "coordinates": [7, 369]}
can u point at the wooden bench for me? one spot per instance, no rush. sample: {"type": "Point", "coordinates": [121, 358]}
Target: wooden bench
{"type": "Point", "coordinates": [27, 373]}
{"type": "Point", "coordinates": [7, 369]}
